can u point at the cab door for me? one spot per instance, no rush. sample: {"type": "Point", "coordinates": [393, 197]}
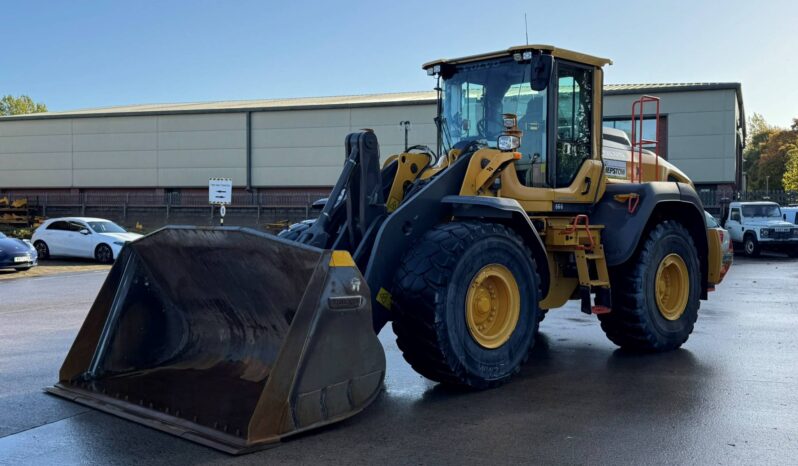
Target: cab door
{"type": "Point", "coordinates": [577, 175]}
{"type": "Point", "coordinates": [734, 225]}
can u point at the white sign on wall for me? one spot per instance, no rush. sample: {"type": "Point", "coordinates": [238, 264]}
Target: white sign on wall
{"type": "Point", "coordinates": [220, 191]}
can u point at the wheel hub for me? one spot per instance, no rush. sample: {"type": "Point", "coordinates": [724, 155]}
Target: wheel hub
{"type": "Point", "coordinates": [493, 306]}
{"type": "Point", "coordinates": [672, 287]}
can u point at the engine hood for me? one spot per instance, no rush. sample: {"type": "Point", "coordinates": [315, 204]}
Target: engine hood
{"type": "Point", "coordinates": [764, 223]}
{"type": "Point", "coordinates": [125, 237]}
{"type": "Point", "coordinates": [13, 245]}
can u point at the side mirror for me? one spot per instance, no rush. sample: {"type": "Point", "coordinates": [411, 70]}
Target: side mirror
{"type": "Point", "coordinates": [85, 231]}
{"type": "Point", "coordinates": [541, 67]}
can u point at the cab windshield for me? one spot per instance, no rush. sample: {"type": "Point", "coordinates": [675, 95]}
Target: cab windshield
{"type": "Point", "coordinates": [762, 210]}
{"type": "Point", "coordinates": [476, 96]}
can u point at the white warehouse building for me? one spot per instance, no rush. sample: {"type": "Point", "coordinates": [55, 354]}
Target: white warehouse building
{"type": "Point", "coordinates": [297, 144]}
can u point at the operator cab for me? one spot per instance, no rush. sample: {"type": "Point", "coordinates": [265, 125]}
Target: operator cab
{"type": "Point", "coordinates": [554, 94]}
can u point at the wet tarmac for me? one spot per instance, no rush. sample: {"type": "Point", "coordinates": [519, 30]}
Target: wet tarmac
{"type": "Point", "coordinates": [729, 396]}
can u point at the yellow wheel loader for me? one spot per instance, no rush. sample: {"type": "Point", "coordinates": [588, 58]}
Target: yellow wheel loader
{"type": "Point", "coordinates": [236, 339]}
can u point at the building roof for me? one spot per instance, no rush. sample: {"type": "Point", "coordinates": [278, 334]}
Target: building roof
{"type": "Point", "coordinates": [347, 101]}
{"type": "Point", "coordinates": [667, 87]}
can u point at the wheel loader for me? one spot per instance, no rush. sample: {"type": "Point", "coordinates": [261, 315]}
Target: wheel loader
{"type": "Point", "coordinates": [238, 339]}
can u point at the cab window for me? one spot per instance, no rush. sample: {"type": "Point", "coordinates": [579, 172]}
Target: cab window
{"type": "Point", "coordinates": [574, 120]}
{"type": "Point", "coordinates": [474, 98]}
{"type": "Point", "coordinates": [735, 215]}
{"type": "Point", "coordinates": [530, 108]}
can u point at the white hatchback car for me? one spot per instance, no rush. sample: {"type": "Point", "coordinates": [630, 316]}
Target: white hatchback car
{"type": "Point", "coordinates": [81, 237]}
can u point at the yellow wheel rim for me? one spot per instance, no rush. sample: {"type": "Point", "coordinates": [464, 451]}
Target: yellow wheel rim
{"type": "Point", "coordinates": [493, 304]}
{"type": "Point", "coordinates": [672, 287]}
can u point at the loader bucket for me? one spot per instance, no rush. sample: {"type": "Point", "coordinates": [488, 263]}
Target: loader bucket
{"type": "Point", "coordinates": [228, 337]}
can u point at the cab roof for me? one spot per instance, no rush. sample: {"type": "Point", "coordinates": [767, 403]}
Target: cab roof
{"type": "Point", "coordinates": [555, 51]}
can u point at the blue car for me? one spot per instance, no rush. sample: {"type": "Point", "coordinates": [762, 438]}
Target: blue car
{"type": "Point", "coordinates": [16, 254]}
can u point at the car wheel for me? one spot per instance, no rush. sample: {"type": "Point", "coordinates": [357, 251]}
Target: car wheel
{"type": "Point", "coordinates": [751, 246]}
{"type": "Point", "coordinates": [42, 250]}
{"type": "Point", "coordinates": [103, 254]}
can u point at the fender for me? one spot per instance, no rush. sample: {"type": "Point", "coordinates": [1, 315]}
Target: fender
{"type": "Point", "coordinates": [657, 201]}
{"type": "Point", "coordinates": [506, 211]}
{"type": "Point", "coordinates": [403, 227]}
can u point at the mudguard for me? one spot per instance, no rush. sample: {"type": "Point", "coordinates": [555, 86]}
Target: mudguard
{"type": "Point", "coordinates": [624, 229]}
{"type": "Point", "coordinates": [505, 211]}
{"type": "Point", "coordinates": [402, 228]}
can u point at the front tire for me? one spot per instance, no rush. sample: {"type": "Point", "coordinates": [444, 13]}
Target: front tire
{"type": "Point", "coordinates": [751, 246]}
{"type": "Point", "coordinates": [656, 294]}
{"type": "Point", "coordinates": [466, 304]}
{"type": "Point", "coordinates": [104, 254]}
{"type": "Point", "coordinates": [42, 250]}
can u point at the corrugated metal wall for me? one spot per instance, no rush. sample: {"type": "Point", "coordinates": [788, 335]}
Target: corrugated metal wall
{"type": "Point", "coordinates": [289, 148]}
{"type": "Point", "coordinates": [295, 148]}
{"type": "Point", "coordinates": [702, 131]}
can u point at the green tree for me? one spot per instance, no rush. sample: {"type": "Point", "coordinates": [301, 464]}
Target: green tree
{"type": "Point", "coordinates": [759, 131]}
{"type": "Point", "coordinates": [757, 126]}
{"type": "Point", "coordinates": [767, 160]}
{"type": "Point", "coordinates": [790, 180]}
{"type": "Point", "coordinates": [10, 105]}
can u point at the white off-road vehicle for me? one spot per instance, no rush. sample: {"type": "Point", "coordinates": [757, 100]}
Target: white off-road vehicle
{"type": "Point", "coordinates": [761, 225]}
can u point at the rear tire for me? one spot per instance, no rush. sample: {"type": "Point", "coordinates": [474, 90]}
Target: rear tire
{"type": "Point", "coordinates": [104, 254]}
{"type": "Point", "coordinates": [42, 250]}
{"type": "Point", "coordinates": [751, 246]}
{"type": "Point", "coordinates": [434, 321]}
{"type": "Point", "coordinates": [643, 320]}
{"type": "Point", "coordinates": [542, 315]}
{"type": "Point", "coordinates": [292, 232]}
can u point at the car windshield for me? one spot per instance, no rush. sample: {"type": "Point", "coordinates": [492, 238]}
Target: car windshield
{"type": "Point", "coordinates": [106, 227]}
{"type": "Point", "coordinates": [476, 96]}
{"type": "Point", "coordinates": [762, 210]}
{"type": "Point", "coordinates": [711, 221]}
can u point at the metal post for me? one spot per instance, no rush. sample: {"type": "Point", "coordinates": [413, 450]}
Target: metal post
{"type": "Point", "coordinates": [82, 204]}
{"type": "Point", "coordinates": [44, 208]}
{"type": "Point", "coordinates": [249, 149]}
{"type": "Point", "coordinates": [124, 207]}
{"type": "Point", "coordinates": [406, 125]}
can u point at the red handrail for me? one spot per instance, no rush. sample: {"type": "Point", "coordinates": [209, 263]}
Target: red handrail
{"type": "Point", "coordinates": [638, 111]}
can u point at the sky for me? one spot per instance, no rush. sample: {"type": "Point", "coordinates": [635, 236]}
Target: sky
{"type": "Point", "coordinates": [86, 54]}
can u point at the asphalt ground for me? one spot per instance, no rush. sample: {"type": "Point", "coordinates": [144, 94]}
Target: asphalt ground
{"type": "Point", "coordinates": [729, 396]}
{"type": "Point", "coordinates": [53, 267]}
